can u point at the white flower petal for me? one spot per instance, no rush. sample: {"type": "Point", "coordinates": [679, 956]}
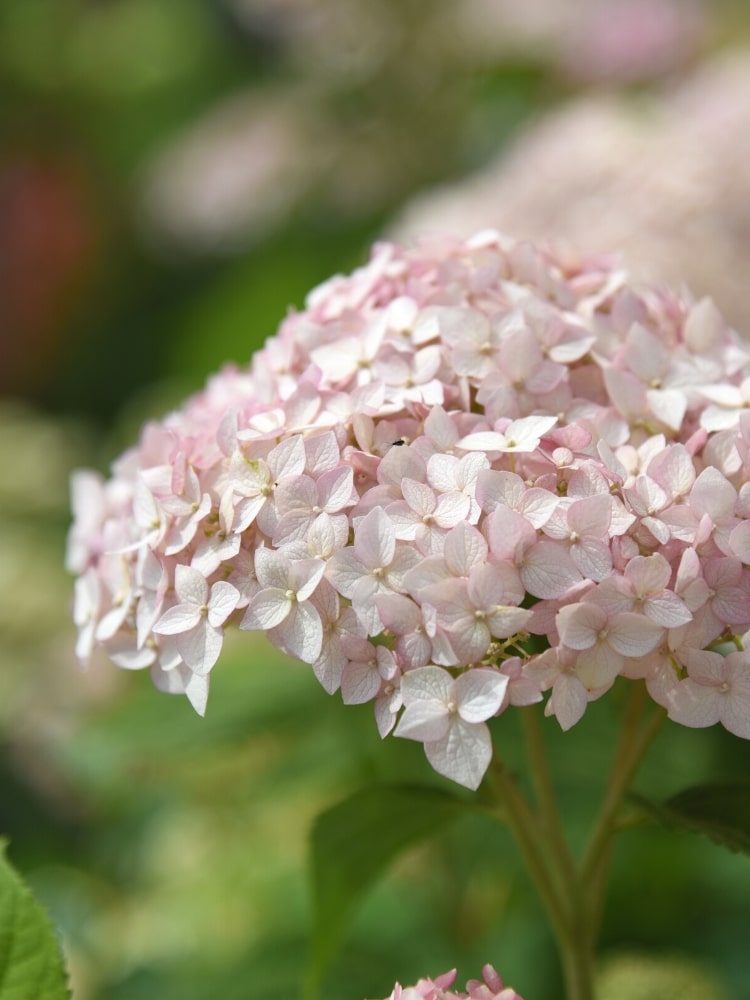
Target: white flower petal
{"type": "Point", "coordinates": [479, 694]}
{"type": "Point", "coordinates": [360, 682]}
{"type": "Point", "coordinates": [425, 684]}
{"type": "Point", "coordinates": [224, 599]}
{"type": "Point", "coordinates": [267, 609]}
{"type": "Point", "coordinates": [424, 720]}
{"type": "Point", "coordinates": [634, 635]}
{"type": "Point", "coordinates": [463, 755]}
{"type": "Point", "coordinates": [568, 700]}
{"type": "Point", "coordinates": [548, 571]}
{"type": "Point", "coordinates": [190, 585]}
{"type": "Point", "coordinates": [200, 647]}
{"type": "Point", "coordinates": [180, 618]}
{"type": "Point", "coordinates": [301, 632]}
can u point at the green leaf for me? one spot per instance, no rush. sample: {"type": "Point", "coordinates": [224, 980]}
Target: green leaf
{"type": "Point", "coordinates": [31, 966]}
{"type": "Point", "coordinates": [720, 811]}
{"type": "Point", "coordinates": [354, 842]}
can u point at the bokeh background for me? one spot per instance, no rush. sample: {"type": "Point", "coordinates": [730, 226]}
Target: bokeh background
{"type": "Point", "coordinates": [174, 176]}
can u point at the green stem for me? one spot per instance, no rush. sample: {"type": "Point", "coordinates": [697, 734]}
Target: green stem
{"type": "Point", "coordinates": [558, 890]}
{"type": "Point", "coordinates": [578, 969]}
{"type": "Point", "coordinates": [573, 895]}
{"type": "Point", "coordinates": [577, 953]}
{"type": "Point", "coordinates": [635, 740]}
{"type": "Point", "coordinates": [544, 791]}
{"type": "Point", "coordinates": [524, 824]}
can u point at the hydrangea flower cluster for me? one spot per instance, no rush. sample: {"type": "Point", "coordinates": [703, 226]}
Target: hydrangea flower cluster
{"type": "Point", "coordinates": [469, 473]}
{"type": "Point", "coordinates": [490, 987]}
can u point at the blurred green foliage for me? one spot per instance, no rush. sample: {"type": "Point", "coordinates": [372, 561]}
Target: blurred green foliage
{"type": "Point", "coordinates": [171, 850]}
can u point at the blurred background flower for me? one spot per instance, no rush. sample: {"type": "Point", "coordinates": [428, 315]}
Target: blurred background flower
{"type": "Point", "coordinates": [663, 177]}
{"type": "Point", "coordinates": [173, 178]}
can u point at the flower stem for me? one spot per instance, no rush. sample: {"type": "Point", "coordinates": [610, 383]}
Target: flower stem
{"type": "Point", "coordinates": [544, 791]}
{"type": "Point", "coordinates": [524, 824]}
{"type": "Point", "coordinates": [572, 893]}
{"type": "Point", "coordinates": [635, 739]}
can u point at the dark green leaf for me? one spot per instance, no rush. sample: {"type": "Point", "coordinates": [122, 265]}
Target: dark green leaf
{"type": "Point", "coordinates": [354, 842]}
{"type": "Point", "coordinates": [720, 811]}
{"type": "Point", "coordinates": [31, 966]}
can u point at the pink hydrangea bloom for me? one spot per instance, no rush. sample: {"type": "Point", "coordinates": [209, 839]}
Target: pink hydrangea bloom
{"type": "Point", "coordinates": [490, 987]}
{"type": "Point", "coordinates": [466, 475]}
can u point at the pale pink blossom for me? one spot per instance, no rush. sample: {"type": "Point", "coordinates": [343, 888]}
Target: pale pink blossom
{"type": "Point", "coordinates": [196, 620]}
{"type": "Point", "coordinates": [152, 578]}
{"type": "Point", "coordinates": [449, 717]}
{"type": "Point", "coordinates": [509, 490]}
{"type": "Point", "coordinates": [86, 612]}
{"type": "Point", "coordinates": [478, 609]}
{"type": "Point", "coordinates": [253, 481]}
{"type": "Point", "coordinates": [522, 688]}
{"type": "Point", "coordinates": [149, 516]}
{"type": "Point", "coordinates": [117, 593]}
{"type": "Point", "coordinates": [89, 504]}
{"type": "Point", "coordinates": [520, 435]}
{"type": "Point", "coordinates": [555, 670]}
{"type": "Point", "coordinates": [708, 513]}
{"type": "Point", "coordinates": [470, 473]}
{"type": "Point", "coordinates": [339, 623]}
{"type": "Point", "coordinates": [545, 568]}
{"type": "Point", "coordinates": [643, 587]}
{"type": "Point", "coordinates": [178, 678]}
{"type": "Point", "coordinates": [471, 338]}
{"type": "Point", "coordinates": [220, 542]}
{"type": "Point", "coordinates": [448, 474]}
{"type": "Point", "coordinates": [717, 689]}
{"type": "Point", "coordinates": [366, 669]}
{"type": "Point", "coordinates": [727, 403]}
{"type": "Point", "coordinates": [424, 517]}
{"type": "Point", "coordinates": [186, 504]}
{"type": "Point", "coordinates": [412, 626]}
{"type": "Point", "coordinates": [282, 606]}
{"type": "Point", "coordinates": [584, 525]}
{"type": "Point", "coordinates": [375, 565]}
{"type": "Point", "coordinates": [464, 548]}
{"type": "Point", "coordinates": [673, 470]}
{"type": "Point", "coordinates": [300, 501]}
{"type": "Point", "coordinates": [728, 595]}
{"type": "Point", "coordinates": [604, 641]}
